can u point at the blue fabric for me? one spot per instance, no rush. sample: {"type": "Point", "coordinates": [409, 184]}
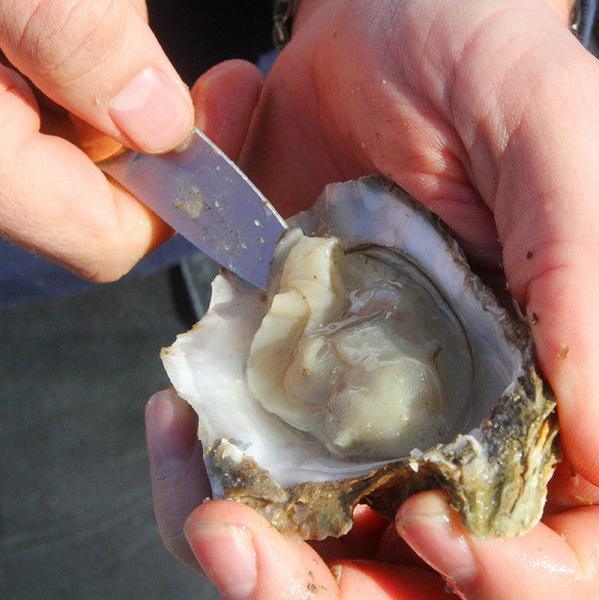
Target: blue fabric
{"type": "Point", "coordinates": [589, 12]}
{"type": "Point", "coordinates": [25, 277]}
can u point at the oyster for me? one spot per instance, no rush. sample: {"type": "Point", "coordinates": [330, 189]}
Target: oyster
{"type": "Point", "coordinates": [378, 365]}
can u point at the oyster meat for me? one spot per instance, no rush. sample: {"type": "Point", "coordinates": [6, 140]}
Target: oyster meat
{"type": "Point", "coordinates": [376, 366]}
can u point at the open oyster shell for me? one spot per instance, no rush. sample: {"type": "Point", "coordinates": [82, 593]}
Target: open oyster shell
{"type": "Point", "coordinates": [497, 452]}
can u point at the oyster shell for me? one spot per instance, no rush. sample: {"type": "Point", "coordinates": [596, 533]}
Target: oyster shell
{"type": "Point", "coordinates": [281, 381]}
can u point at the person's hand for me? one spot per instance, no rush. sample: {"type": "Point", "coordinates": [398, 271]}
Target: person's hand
{"type": "Point", "coordinates": [247, 559]}
{"type": "Point", "coordinates": [487, 113]}
{"type": "Point", "coordinates": [77, 79]}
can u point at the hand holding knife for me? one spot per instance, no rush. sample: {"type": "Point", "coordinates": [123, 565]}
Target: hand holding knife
{"type": "Point", "coordinates": [205, 197]}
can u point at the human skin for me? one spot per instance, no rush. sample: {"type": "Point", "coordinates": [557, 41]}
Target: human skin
{"type": "Point", "coordinates": [79, 78]}
{"type": "Point", "coordinates": [486, 112]}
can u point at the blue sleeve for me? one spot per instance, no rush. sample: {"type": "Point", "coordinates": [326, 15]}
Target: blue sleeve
{"type": "Point", "coordinates": [589, 11]}
{"type": "Point", "coordinates": [26, 277]}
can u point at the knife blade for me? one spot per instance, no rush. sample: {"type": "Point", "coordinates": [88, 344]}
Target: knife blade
{"type": "Point", "coordinates": [204, 196]}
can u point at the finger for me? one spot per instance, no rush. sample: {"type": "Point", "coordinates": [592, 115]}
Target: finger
{"type": "Point", "coordinates": [531, 134]}
{"type": "Point", "coordinates": [568, 489]}
{"type": "Point", "coordinates": [247, 558]}
{"type": "Point", "coordinates": [95, 143]}
{"type": "Point", "coordinates": [366, 579]}
{"type": "Point", "coordinates": [100, 60]}
{"type": "Point", "coordinates": [225, 98]}
{"type": "Point", "coordinates": [558, 559]}
{"type": "Point", "coordinates": [548, 219]}
{"type": "Point", "coordinates": [179, 480]}
{"type": "Point", "coordinates": [55, 201]}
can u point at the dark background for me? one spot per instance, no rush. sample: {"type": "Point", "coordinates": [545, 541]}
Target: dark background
{"type": "Point", "coordinates": [76, 516]}
{"type": "Point", "coordinates": [197, 34]}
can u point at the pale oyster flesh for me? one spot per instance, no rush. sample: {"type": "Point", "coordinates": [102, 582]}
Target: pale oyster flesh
{"type": "Point", "coordinates": [377, 366]}
{"type": "Point", "coordinates": [360, 352]}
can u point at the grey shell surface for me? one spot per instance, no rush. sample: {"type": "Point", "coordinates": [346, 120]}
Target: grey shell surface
{"type": "Point", "coordinates": [495, 468]}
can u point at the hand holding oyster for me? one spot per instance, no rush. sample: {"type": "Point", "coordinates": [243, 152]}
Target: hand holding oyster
{"type": "Point", "coordinates": [377, 366]}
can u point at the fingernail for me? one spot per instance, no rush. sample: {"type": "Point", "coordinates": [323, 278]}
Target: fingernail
{"type": "Point", "coordinates": [226, 554]}
{"type": "Point", "coordinates": [152, 111]}
{"type": "Point", "coordinates": [430, 507]}
{"type": "Point", "coordinates": [434, 531]}
{"type": "Point", "coordinates": [171, 440]}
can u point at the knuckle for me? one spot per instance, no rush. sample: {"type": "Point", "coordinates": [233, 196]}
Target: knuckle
{"type": "Point", "coordinates": [66, 39]}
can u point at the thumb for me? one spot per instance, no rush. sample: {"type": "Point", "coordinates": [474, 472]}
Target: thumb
{"type": "Point", "coordinates": [100, 60]}
{"type": "Point", "coordinates": [248, 559]}
{"type": "Point", "coordinates": [557, 559]}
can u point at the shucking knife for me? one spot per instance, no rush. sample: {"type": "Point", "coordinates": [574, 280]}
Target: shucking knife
{"type": "Point", "coordinates": [205, 197]}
